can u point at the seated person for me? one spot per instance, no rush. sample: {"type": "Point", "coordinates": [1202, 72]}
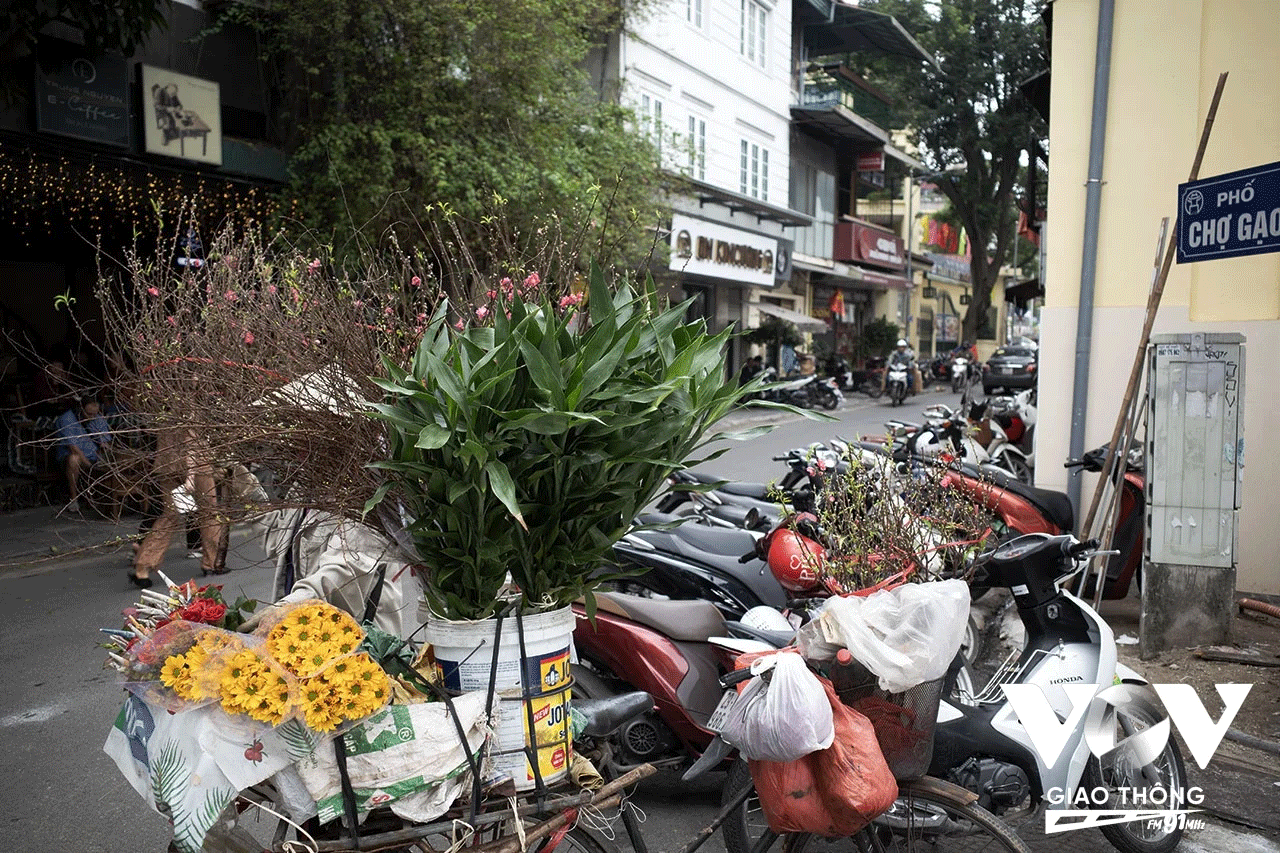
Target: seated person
{"type": "Point", "coordinates": [82, 436]}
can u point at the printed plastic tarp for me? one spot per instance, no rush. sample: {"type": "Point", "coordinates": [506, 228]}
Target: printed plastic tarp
{"type": "Point", "coordinates": [189, 766]}
{"type": "Point", "coordinates": [407, 757]}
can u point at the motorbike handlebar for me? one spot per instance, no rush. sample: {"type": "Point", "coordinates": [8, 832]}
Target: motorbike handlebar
{"type": "Point", "coordinates": [1080, 547]}
{"type": "Point", "coordinates": [748, 557]}
{"type": "Point", "coordinates": [735, 677]}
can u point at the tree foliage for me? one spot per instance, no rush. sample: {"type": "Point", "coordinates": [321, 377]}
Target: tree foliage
{"type": "Point", "coordinates": [107, 25]}
{"type": "Point", "coordinates": [395, 107]}
{"type": "Point", "coordinates": [970, 115]}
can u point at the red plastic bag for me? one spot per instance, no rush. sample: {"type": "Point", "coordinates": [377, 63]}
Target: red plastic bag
{"type": "Point", "coordinates": [835, 791]}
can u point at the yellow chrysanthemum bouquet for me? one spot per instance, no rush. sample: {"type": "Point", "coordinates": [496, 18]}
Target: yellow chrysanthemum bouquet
{"type": "Point", "coordinates": [316, 642]}
{"type": "Point", "coordinates": [302, 663]}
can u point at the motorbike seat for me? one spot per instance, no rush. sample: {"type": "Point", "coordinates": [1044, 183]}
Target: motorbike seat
{"type": "Point", "coordinates": [1056, 506]}
{"type": "Point", "coordinates": [696, 540]}
{"type": "Point", "coordinates": [605, 716]}
{"type": "Point", "coordinates": [687, 621]}
{"type": "Point", "coordinates": [759, 491]}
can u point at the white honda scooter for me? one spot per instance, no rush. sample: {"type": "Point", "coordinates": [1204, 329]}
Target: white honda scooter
{"type": "Point", "coordinates": [1067, 666]}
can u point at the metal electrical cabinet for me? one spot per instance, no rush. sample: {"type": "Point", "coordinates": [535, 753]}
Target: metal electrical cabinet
{"type": "Point", "coordinates": [1194, 464]}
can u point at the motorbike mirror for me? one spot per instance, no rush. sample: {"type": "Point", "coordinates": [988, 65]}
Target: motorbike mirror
{"type": "Point", "coordinates": [752, 519]}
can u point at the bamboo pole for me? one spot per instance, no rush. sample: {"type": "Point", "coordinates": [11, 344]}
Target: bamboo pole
{"type": "Point", "coordinates": [1153, 306]}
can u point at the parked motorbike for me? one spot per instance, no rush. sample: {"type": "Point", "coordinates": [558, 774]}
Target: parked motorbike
{"type": "Point", "coordinates": [864, 381]}
{"type": "Point", "coordinates": [984, 747]}
{"type": "Point", "coordinates": [1130, 530]}
{"type": "Point", "coordinates": [676, 652]}
{"type": "Point", "coordinates": [694, 561]}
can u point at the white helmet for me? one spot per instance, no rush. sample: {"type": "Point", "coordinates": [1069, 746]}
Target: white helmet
{"type": "Point", "coordinates": [902, 342]}
{"type": "Point", "coordinates": [765, 618]}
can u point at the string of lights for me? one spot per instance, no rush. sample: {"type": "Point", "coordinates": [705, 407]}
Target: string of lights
{"type": "Point", "coordinates": [42, 191]}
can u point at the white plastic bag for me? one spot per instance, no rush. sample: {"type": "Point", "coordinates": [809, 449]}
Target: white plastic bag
{"type": "Point", "coordinates": [906, 636]}
{"type": "Point", "coordinates": [783, 718]}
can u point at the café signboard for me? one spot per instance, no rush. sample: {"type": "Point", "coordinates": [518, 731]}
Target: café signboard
{"type": "Point", "coordinates": [80, 95]}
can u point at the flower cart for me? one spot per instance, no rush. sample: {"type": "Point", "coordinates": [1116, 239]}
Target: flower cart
{"type": "Point", "coordinates": [295, 718]}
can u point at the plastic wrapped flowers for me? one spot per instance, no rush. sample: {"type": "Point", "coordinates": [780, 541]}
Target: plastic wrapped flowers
{"type": "Point", "coordinates": [303, 664]}
{"type": "Point", "coordinates": [316, 643]}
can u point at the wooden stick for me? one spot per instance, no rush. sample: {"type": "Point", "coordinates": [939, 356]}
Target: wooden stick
{"type": "Point", "coordinates": [606, 797]}
{"type": "Point", "coordinates": [1153, 306]}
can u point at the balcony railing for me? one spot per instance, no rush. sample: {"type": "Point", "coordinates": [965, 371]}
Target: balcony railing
{"type": "Point", "coordinates": [822, 89]}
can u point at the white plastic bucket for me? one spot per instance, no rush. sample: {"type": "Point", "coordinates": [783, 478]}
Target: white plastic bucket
{"type": "Point", "coordinates": [464, 657]}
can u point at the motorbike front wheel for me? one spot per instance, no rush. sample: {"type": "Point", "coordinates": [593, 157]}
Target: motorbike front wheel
{"type": "Point", "coordinates": [1120, 773]}
{"type": "Point", "coordinates": [1019, 469]}
{"type": "Point", "coordinates": [930, 814]}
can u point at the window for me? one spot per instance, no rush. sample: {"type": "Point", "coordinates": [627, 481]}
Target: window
{"type": "Point", "coordinates": [754, 171]}
{"type": "Point", "coordinates": [754, 32]}
{"type": "Point", "coordinates": [651, 120]}
{"type": "Point", "coordinates": [697, 148]}
{"type": "Point", "coordinates": [693, 12]}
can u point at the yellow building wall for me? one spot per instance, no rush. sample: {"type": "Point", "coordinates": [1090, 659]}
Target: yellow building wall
{"type": "Point", "coordinates": [1165, 61]}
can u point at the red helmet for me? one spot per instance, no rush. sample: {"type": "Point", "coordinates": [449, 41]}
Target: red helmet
{"type": "Point", "coordinates": [796, 561]}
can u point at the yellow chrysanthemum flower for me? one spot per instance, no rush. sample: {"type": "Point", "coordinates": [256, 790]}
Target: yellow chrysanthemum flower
{"type": "Point", "coordinates": [174, 668]}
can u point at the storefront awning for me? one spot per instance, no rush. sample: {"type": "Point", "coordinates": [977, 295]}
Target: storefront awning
{"type": "Point", "coordinates": [851, 29]}
{"type": "Point", "coordinates": [803, 322]}
{"type": "Point", "coordinates": [884, 282]}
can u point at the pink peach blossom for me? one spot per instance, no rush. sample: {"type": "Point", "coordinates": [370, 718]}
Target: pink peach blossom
{"type": "Point", "coordinates": [415, 281]}
{"type": "Point", "coordinates": [248, 337]}
{"type": "Point", "coordinates": [482, 312]}
{"type": "Point", "coordinates": [230, 296]}
{"type": "Point", "coordinates": [153, 291]}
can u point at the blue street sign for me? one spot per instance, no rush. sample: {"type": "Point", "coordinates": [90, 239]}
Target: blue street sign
{"type": "Point", "coordinates": [1230, 215]}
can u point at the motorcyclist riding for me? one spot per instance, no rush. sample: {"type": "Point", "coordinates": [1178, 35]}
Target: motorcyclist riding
{"type": "Point", "coordinates": [904, 355]}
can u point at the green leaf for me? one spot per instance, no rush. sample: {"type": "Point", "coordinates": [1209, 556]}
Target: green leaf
{"type": "Point", "coordinates": [376, 499]}
{"type": "Point", "coordinates": [504, 489]}
{"type": "Point", "coordinates": [432, 437]}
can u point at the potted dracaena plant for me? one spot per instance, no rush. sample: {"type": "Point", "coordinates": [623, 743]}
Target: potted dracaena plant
{"type": "Point", "coordinates": [519, 452]}
{"type": "Point", "coordinates": [528, 446]}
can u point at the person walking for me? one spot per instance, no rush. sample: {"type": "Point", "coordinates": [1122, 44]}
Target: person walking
{"type": "Point", "coordinates": [184, 478]}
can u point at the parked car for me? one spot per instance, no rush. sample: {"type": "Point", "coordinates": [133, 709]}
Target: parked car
{"type": "Point", "coordinates": [1009, 367]}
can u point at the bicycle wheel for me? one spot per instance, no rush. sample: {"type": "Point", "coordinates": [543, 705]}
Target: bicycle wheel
{"type": "Point", "coordinates": [577, 840]}
{"type": "Point", "coordinates": [928, 811]}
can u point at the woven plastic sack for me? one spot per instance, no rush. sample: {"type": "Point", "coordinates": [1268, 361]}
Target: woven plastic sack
{"type": "Point", "coordinates": [906, 635]}
{"type": "Point", "coordinates": [833, 792]}
{"type": "Point", "coordinates": [783, 716]}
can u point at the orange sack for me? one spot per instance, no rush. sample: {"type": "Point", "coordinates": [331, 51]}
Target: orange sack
{"type": "Point", "coordinates": [832, 792]}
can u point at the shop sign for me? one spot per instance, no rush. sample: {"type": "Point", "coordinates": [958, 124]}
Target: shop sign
{"type": "Point", "coordinates": [863, 244]}
{"type": "Point", "coordinates": [953, 267]}
{"type": "Point", "coordinates": [710, 249]}
{"type": "Point", "coordinates": [870, 161]}
{"type": "Point", "coordinates": [82, 96]}
{"type": "Point", "coordinates": [885, 281]}
{"type": "Point", "coordinates": [181, 116]}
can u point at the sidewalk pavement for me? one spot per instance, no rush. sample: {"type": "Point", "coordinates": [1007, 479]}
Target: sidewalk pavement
{"type": "Point", "coordinates": [46, 532]}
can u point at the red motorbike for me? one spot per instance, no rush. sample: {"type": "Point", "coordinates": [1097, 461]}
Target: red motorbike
{"type": "Point", "coordinates": [675, 651]}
